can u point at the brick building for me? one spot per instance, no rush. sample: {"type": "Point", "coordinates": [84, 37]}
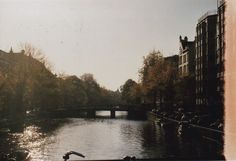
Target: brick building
{"type": "Point", "coordinates": [186, 57]}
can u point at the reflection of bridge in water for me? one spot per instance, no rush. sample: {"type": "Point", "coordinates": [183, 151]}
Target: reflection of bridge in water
{"type": "Point", "coordinates": [90, 110]}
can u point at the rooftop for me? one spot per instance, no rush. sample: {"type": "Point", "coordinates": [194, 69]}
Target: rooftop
{"type": "Point", "coordinates": [185, 43]}
{"type": "Point", "coordinates": [220, 2]}
{"type": "Point", "coordinates": [209, 13]}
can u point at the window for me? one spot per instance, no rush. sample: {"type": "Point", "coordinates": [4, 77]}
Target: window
{"type": "Point", "coordinates": [185, 59]}
{"type": "Point", "coordinates": [180, 70]}
{"type": "Point", "coordinates": [185, 69]}
{"type": "Point", "coordinates": [180, 59]}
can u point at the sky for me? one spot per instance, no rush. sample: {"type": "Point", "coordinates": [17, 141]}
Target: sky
{"type": "Point", "coordinates": [107, 38]}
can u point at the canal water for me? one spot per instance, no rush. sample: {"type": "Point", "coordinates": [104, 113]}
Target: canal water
{"type": "Point", "coordinates": [105, 138]}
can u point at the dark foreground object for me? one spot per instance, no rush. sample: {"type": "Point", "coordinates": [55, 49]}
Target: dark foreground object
{"type": "Point", "coordinates": [158, 159]}
{"type": "Point", "coordinates": [128, 158]}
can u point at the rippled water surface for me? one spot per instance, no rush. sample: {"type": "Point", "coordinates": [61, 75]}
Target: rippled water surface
{"type": "Point", "coordinates": [104, 138]}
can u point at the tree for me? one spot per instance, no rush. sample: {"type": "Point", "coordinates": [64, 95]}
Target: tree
{"type": "Point", "coordinates": [130, 92]}
{"type": "Point", "coordinates": [152, 78]}
{"type": "Point", "coordinates": [92, 89]}
{"type": "Point", "coordinates": [27, 83]}
{"type": "Point", "coordinates": [73, 92]}
{"type": "Point", "coordinates": [185, 92]}
{"type": "Point", "coordinates": [157, 78]}
{"type": "Point", "coordinates": [136, 93]}
{"type": "Point", "coordinates": [31, 51]}
{"type": "Point", "coordinates": [109, 97]}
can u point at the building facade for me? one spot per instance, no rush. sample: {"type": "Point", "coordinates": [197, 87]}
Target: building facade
{"type": "Point", "coordinates": [220, 56]}
{"type": "Point", "coordinates": [186, 57]}
{"type": "Point", "coordinates": [172, 60]}
{"type": "Point", "coordinates": [205, 70]}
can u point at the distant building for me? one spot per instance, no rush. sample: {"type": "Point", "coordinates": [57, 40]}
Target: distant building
{"type": "Point", "coordinates": [186, 57]}
{"type": "Point", "coordinates": [205, 70]}
{"type": "Point", "coordinates": [7, 58]}
{"type": "Point", "coordinates": [168, 97]}
{"type": "Point", "coordinates": [11, 52]}
{"type": "Point", "coordinates": [172, 60]}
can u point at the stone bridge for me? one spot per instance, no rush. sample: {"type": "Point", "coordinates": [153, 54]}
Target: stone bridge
{"type": "Point", "coordinates": [90, 110]}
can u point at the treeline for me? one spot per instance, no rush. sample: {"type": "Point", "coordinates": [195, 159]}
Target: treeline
{"type": "Point", "coordinates": [160, 84]}
{"type": "Point", "coordinates": [27, 83]}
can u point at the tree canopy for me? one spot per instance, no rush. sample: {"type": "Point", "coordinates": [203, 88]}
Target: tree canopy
{"type": "Point", "coordinates": [157, 81]}
{"type": "Point", "coordinates": [27, 83]}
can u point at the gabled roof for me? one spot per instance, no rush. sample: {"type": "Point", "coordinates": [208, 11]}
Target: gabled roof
{"type": "Point", "coordinates": [184, 43]}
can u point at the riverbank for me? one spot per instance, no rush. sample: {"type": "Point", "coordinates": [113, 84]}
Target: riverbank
{"type": "Point", "coordinates": [186, 129]}
{"type": "Point", "coordinates": [208, 133]}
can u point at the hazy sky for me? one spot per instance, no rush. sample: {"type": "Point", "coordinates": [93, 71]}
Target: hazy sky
{"type": "Point", "coordinates": [107, 38]}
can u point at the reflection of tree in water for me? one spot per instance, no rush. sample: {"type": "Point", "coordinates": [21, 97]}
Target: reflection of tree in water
{"type": "Point", "coordinates": [152, 139]}
{"type": "Point", "coordinates": [194, 145]}
{"type": "Point", "coordinates": [161, 139]}
{"type": "Point", "coordinates": [170, 139]}
{"type": "Point", "coordinates": [164, 138]}
{"type": "Point", "coordinates": [130, 132]}
{"type": "Point", "coordinates": [49, 125]}
{"type": "Point", "coordinates": [148, 133]}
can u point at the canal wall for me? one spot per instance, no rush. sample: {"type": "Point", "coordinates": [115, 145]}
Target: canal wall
{"type": "Point", "coordinates": [210, 134]}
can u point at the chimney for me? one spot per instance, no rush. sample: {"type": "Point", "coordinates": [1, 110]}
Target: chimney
{"type": "Point", "coordinates": [11, 51]}
{"type": "Point", "coordinates": [180, 38]}
{"type": "Point", "coordinates": [185, 38]}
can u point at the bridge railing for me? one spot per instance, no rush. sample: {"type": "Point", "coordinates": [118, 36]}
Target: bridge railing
{"type": "Point", "coordinates": [105, 107]}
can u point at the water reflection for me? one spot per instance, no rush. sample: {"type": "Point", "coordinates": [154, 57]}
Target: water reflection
{"type": "Point", "coordinates": [31, 139]}
{"type": "Point", "coordinates": [107, 114]}
{"type": "Point", "coordinates": [101, 138]}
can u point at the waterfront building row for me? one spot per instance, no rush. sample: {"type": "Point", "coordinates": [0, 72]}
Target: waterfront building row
{"type": "Point", "coordinates": [203, 58]}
